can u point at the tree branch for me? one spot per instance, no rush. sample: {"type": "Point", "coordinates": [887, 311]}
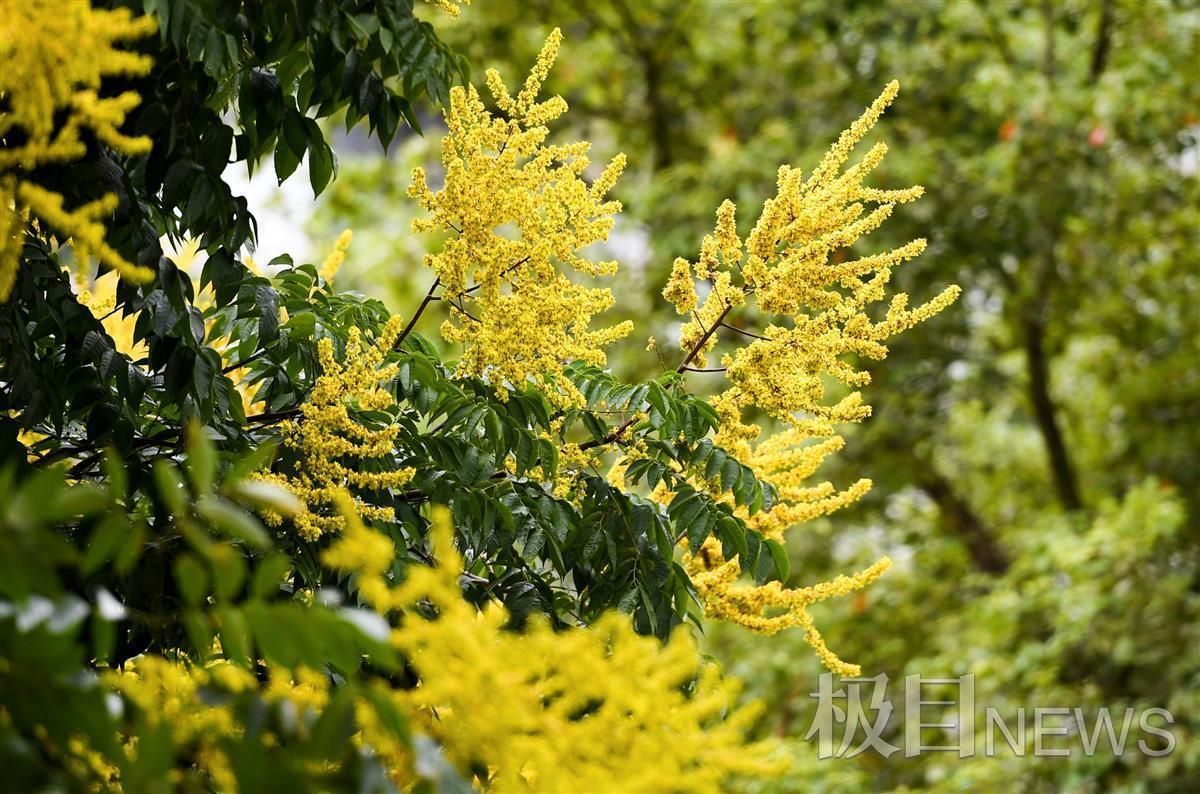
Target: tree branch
{"type": "Point", "coordinates": [1103, 40]}
{"type": "Point", "coordinates": [239, 364]}
{"type": "Point", "coordinates": [1061, 467]}
{"type": "Point", "coordinates": [962, 519]}
{"type": "Point", "coordinates": [741, 331]}
{"type": "Point", "coordinates": [696, 348]}
{"type": "Point", "coordinates": [417, 314]}
{"type": "Point", "coordinates": [272, 418]}
{"type": "Point", "coordinates": [513, 267]}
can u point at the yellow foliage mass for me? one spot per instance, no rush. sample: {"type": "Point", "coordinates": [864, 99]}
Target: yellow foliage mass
{"type": "Point", "coordinates": [52, 98]}
{"type": "Point", "coordinates": [518, 212]}
{"type": "Point", "coordinates": [592, 709]}
{"type": "Point", "coordinates": [327, 439]}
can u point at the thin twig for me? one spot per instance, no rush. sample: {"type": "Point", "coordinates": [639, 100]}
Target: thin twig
{"type": "Point", "coordinates": [683, 367]}
{"type": "Point", "coordinates": [240, 364]}
{"type": "Point", "coordinates": [417, 314]}
{"type": "Point", "coordinates": [511, 268]}
{"type": "Point", "coordinates": [696, 348]}
{"type": "Point", "coordinates": [741, 331]}
{"type": "Point", "coordinates": [271, 418]}
{"type": "Point", "coordinates": [458, 305]}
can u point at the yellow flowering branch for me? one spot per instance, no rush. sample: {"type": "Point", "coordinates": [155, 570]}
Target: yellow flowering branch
{"type": "Point", "coordinates": [676, 730]}
{"type": "Point", "coordinates": [325, 434]}
{"type": "Point", "coordinates": [785, 266]}
{"type": "Point", "coordinates": [520, 213]}
{"type": "Point", "coordinates": [52, 98]}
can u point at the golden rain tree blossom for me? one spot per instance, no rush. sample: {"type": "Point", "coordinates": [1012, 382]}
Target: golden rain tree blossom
{"type": "Point", "coordinates": [619, 705]}
{"type": "Point", "coordinates": [337, 256]}
{"type": "Point", "coordinates": [816, 323]}
{"type": "Point", "coordinates": [449, 7]}
{"type": "Point", "coordinates": [518, 212]}
{"type": "Point", "coordinates": [52, 98]}
{"type": "Point", "coordinates": [335, 451]}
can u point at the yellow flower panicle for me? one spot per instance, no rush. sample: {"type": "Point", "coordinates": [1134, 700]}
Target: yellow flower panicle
{"type": "Point", "coordinates": [680, 291]}
{"type": "Point", "coordinates": [52, 97]}
{"type": "Point", "coordinates": [333, 262]}
{"type": "Point", "coordinates": [518, 212]}
{"type": "Point", "coordinates": [450, 8]}
{"type": "Point", "coordinates": [190, 700]}
{"type": "Point", "coordinates": [813, 308]}
{"type": "Point", "coordinates": [169, 693]}
{"type": "Point", "coordinates": [567, 695]}
{"type": "Point", "coordinates": [715, 580]}
{"type": "Point", "coordinates": [583, 710]}
{"type": "Point", "coordinates": [335, 450]}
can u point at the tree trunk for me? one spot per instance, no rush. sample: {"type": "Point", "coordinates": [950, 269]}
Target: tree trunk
{"type": "Point", "coordinates": [962, 520]}
{"type": "Point", "coordinates": [1061, 467]}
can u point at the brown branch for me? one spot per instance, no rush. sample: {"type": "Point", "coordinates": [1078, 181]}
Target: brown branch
{"type": "Point", "coordinates": [960, 517]}
{"type": "Point", "coordinates": [741, 331]}
{"type": "Point", "coordinates": [1062, 469]}
{"type": "Point", "coordinates": [683, 367]}
{"type": "Point", "coordinates": [513, 267]}
{"type": "Point", "coordinates": [239, 364]}
{"type": "Point", "coordinates": [272, 418]}
{"type": "Point", "coordinates": [417, 314]}
{"type": "Point", "coordinates": [458, 305]}
{"type": "Point", "coordinates": [696, 348]}
{"type": "Point", "coordinates": [1103, 40]}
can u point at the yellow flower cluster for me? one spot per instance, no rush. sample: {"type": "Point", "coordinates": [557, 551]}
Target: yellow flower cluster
{"type": "Point", "coordinates": [186, 698]}
{"type": "Point", "coordinates": [518, 212]}
{"type": "Point", "coordinates": [786, 460]}
{"type": "Point", "coordinates": [583, 710]}
{"type": "Point", "coordinates": [333, 262]}
{"type": "Point", "coordinates": [592, 709]}
{"type": "Point", "coordinates": [791, 273]}
{"type": "Point", "coordinates": [168, 693]}
{"type": "Point", "coordinates": [715, 579]}
{"type": "Point", "coordinates": [51, 97]}
{"type": "Point", "coordinates": [326, 438]}
{"type": "Point", "coordinates": [449, 7]}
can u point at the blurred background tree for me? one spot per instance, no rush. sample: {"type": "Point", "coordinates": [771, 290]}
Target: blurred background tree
{"type": "Point", "coordinates": [1035, 451]}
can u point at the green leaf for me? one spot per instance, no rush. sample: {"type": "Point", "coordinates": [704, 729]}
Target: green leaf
{"type": "Point", "coordinates": [232, 521]}
{"type": "Point", "coordinates": [229, 571]}
{"type": "Point", "coordinates": [731, 472]}
{"type": "Point", "coordinates": [192, 580]}
{"type": "Point", "coordinates": [171, 489]}
{"type": "Point", "coordinates": [286, 160]}
{"type": "Point", "coordinates": [202, 458]}
{"type": "Point", "coordinates": [268, 577]}
{"type": "Point", "coordinates": [235, 639]}
{"type": "Point", "coordinates": [779, 558]}
{"type": "Point", "coordinates": [266, 496]}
